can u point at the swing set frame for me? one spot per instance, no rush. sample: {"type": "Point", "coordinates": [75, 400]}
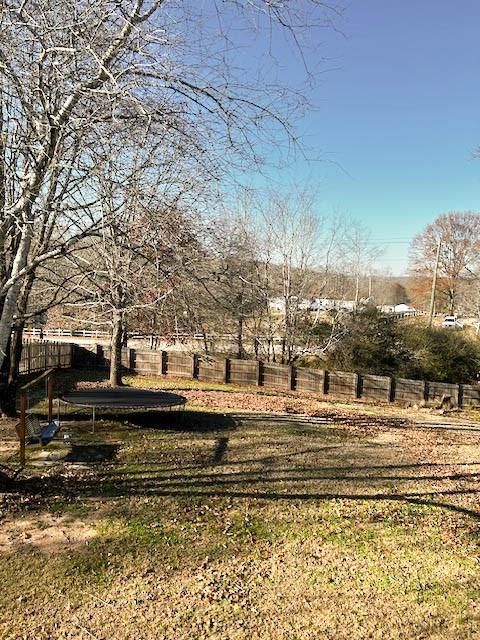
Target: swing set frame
{"type": "Point", "coordinates": [23, 400]}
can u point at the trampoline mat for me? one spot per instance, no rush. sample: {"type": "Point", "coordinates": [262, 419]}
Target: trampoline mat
{"type": "Point", "coordinates": [123, 398]}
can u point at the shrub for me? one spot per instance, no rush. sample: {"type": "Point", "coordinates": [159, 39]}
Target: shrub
{"type": "Point", "coordinates": [439, 354]}
{"type": "Point", "coordinates": [374, 344]}
{"type": "Point", "coordinates": [370, 344]}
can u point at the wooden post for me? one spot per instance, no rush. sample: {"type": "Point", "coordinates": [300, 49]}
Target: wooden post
{"type": "Point", "coordinates": [195, 366]}
{"type": "Point", "coordinates": [22, 428]}
{"type": "Point", "coordinates": [326, 381]}
{"type": "Point", "coordinates": [50, 397]}
{"type": "Point", "coordinates": [99, 356]}
{"type": "Point", "coordinates": [226, 370]}
{"type": "Point", "coordinates": [357, 385]}
{"type": "Point", "coordinates": [290, 379]}
{"type": "Point", "coordinates": [131, 359]}
{"type": "Point", "coordinates": [164, 363]}
{"type": "Point", "coordinates": [434, 284]}
{"type": "Point", "coordinates": [460, 395]}
{"type": "Point", "coordinates": [259, 372]}
{"type": "Point", "coordinates": [391, 390]}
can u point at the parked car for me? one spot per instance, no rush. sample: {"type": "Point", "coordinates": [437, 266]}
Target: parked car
{"type": "Point", "coordinates": [452, 322]}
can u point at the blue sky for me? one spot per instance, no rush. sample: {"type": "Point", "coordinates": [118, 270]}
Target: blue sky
{"type": "Point", "coordinates": [397, 118]}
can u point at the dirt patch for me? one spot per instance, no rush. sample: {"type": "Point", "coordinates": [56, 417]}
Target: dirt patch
{"type": "Point", "coordinates": [44, 532]}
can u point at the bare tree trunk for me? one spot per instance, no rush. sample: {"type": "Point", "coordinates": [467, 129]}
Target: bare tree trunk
{"type": "Point", "coordinates": [116, 354]}
{"type": "Point", "coordinates": [451, 306]}
{"type": "Point", "coordinates": [12, 363]}
{"type": "Point", "coordinates": [13, 292]}
{"type": "Point", "coordinates": [284, 346]}
{"type": "Point", "coordinates": [7, 402]}
{"type": "Point", "coordinates": [357, 291]}
{"type": "Point", "coordinates": [240, 350]}
{"type": "Point", "coordinates": [255, 347]}
{"type": "Point", "coordinates": [205, 340]}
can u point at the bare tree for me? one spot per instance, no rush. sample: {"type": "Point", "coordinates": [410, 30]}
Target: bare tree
{"type": "Point", "coordinates": [359, 254]}
{"type": "Point", "coordinates": [459, 235]}
{"type": "Point", "coordinates": [234, 287]}
{"type": "Point", "coordinates": [291, 240]}
{"type": "Point", "coordinates": [68, 69]}
{"type": "Point", "coordinates": [55, 57]}
{"type": "Point", "coordinates": [144, 234]}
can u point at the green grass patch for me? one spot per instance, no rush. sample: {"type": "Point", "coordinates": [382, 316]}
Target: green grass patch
{"type": "Point", "coordinates": [245, 529]}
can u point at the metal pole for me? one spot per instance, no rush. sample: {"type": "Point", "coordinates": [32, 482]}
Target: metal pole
{"type": "Point", "coordinates": [23, 411]}
{"type": "Point", "coordinates": [50, 397]}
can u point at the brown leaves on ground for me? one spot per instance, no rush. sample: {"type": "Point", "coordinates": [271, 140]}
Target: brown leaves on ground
{"type": "Point", "coordinates": [305, 520]}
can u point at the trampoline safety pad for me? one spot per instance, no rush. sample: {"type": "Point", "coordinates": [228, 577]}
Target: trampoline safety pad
{"type": "Point", "coordinates": [123, 398]}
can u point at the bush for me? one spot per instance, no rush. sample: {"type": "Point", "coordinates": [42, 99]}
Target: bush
{"type": "Point", "coordinates": [374, 344]}
{"type": "Point", "coordinates": [439, 354]}
{"type": "Point", "coordinates": [370, 344]}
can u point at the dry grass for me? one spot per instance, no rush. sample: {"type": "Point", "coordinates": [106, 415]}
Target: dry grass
{"type": "Point", "coordinates": [344, 524]}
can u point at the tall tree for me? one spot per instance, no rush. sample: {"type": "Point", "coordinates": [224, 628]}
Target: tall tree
{"type": "Point", "coordinates": [459, 235]}
{"type": "Point", "coordinates": [142, 246]}
{"type": "Point", "coordinates": [292, 231]}
{"type": "Point", "coordinates": [68, 69]}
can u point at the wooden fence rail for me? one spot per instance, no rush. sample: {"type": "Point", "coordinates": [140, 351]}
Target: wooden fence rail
{"type": "Point", "coordinates": [39, 356]}
{"type": "Point", "coordinates": [333, 384]}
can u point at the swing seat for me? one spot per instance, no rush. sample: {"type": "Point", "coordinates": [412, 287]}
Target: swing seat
{"type": "Point", "coordinates": [36, 433]}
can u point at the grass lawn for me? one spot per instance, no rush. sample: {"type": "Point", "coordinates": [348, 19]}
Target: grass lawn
{"type": "Point", "coordinates": [350, 523]}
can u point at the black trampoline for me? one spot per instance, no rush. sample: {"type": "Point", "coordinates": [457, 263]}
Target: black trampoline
{"type": "Point", "coordinates": [127, 398]}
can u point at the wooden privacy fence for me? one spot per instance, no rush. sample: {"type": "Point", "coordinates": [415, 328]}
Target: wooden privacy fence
{"type": "Point", "coordinates": [334, 384]}
{"type": "Point", "coordinates": [39, 356]}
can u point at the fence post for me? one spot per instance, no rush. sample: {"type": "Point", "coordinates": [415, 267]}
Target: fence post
{"type": "Point", "coordinates": [163, 363]}
{"type": "Point", "coordinates": [391, 390]}
{"type": "Point", "coordinates": [98, 355]}
{"type": "Point", "coordinates": [357, 385]}
{"type": "Point", "coordinates": [259, 372]}
{"type": "Point", "coordinates": [226, 370]}
{"type": "Point", "coordinates": [131, 359]}
{"type": "Point", "coordinates": [290, 378]}
{"type": "Point", "coordinates": [426, 390]}
{"type": "Point", "coordinates": [195, 366]}
{"type": "Point", "coordinates": [326, 381]}
{"type": "Point", "coordinates": [460, 395]}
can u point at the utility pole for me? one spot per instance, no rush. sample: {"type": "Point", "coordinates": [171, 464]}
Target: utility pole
{"type": "Point", "coordinates": [434, 283]}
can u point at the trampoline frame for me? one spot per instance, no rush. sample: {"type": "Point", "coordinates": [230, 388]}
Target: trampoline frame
{"type": "Point", "coordinates": [173, 406]}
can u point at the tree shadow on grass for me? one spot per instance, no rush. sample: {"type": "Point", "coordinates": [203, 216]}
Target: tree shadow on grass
{"type": "Point", "coordinates": [92, 453]}
{"type": "Point", "coordinates": [240, 469]}
{"type": "Point", "coordinates": [105, 487]}
{"type": "Point", "coordinates": [183, 421]}
{"type": "Point", "coordinates": [180, 421]}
